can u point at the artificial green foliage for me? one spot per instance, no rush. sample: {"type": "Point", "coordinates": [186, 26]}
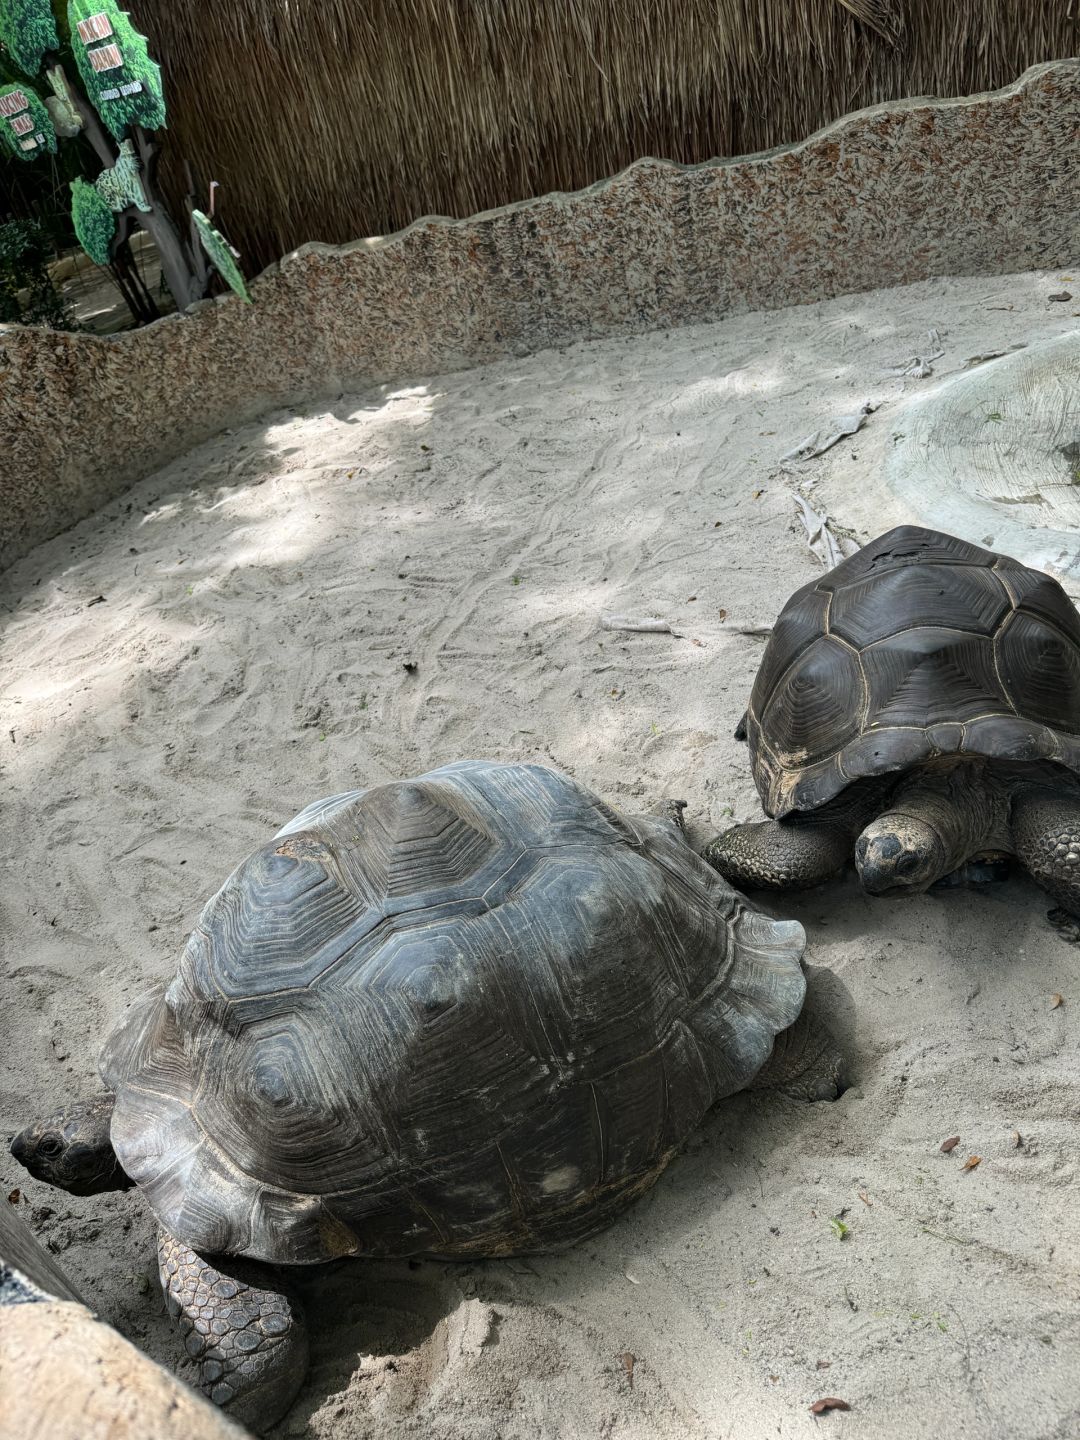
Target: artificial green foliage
{"type": "Point", "coordinates": [42, 125]}
{"type": "Point", "coordinates": [217, 247]}
{"type": "Point", "coordinates": [28, 29]}
{"type": "Point", "coordinates": [95, 224]}
{"type": "Point", "coordinates": [27, 294]}
{"type": "Point", "coordinates": [145, 107]}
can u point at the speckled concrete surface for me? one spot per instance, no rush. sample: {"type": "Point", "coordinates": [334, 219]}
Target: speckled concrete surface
{"type": "Point", "coordinates": [900, 192]}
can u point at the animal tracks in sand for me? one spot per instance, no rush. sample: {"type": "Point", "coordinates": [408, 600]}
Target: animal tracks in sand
{"type": "Point", "coordinates": [263, 596]}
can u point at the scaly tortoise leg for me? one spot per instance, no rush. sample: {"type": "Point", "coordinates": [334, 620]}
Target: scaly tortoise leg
{"type": "Point", "coordinates": [250, 1344]}
{"type": "Point", "coordinates": [805, 1064]}
{"type": "Point", "coordinates": [1046, 836]}
{"type": "Point", "coordinates": [779, 854]}
{"type": "Point", "coordinates": [670, 810]}
{"type": "Point", "coordinates": [801, 850]}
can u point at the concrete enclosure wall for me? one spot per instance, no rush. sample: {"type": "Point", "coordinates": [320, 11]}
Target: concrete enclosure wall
{"type": "Point", "coordinates": [894, 194]}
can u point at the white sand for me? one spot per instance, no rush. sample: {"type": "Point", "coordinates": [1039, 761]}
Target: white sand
{"type": "Point", "coordinates": [261, 598]}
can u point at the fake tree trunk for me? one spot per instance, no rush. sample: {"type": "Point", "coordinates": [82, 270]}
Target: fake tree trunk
{"type": "Point", "coordinates": [185, 276]}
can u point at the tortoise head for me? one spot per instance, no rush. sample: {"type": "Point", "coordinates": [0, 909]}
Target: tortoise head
{"type": "Point", "coordinates": [899, 855]}
{"type": "Point", "coordinates": [71, 1149]}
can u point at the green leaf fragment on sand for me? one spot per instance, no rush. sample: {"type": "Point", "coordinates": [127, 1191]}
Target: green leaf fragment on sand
{"type": "Point", "coordinates": [839, 1229]}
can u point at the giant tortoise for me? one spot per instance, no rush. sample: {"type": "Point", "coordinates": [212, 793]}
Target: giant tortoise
{"type": "Point", "coordinates": [920, 706]}
{"type": "Point", "coordinates": [470, 1014]}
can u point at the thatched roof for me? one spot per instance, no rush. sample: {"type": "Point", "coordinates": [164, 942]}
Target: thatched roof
{"type": "Point", "coordinates": [333, 119]}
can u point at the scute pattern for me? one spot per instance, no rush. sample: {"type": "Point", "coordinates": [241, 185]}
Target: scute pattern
{"type": "Point", "coordinates": [1040, 668]}
{"type": "Point", "coordinates": [964, 597]}
{"type": "Point", "coordinates": [1034, 593]}
{"type": "Point", "coordinates": [802, 620]}
{"type": "Point", "coordinates": [926, 645]}
{"type": "Point", "coordinates": [473, 1013]}
{"type": "Point", "coordinates": [931, 676]}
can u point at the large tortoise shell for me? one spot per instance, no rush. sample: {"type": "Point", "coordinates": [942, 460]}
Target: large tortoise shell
{"type": "Point", "coordinates": [472, 1013]}
{"type": "Point", "coordinates": [917, 646]}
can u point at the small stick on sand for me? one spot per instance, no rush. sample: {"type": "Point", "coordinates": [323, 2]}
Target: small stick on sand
{"type": "Point", "coordinates": [652, 626]}
{"type": "Point", "coordinates": [647, 626]}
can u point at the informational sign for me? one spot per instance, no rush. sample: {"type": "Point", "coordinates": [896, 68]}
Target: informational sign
{"type": "Point", "coordinates": [116, 92]}
{"type": "Point", "coordinates": [26, 127]}
{"type": "Point", "coordinates": [105, 57]}
{"type": "Point", "coordinates": [96, 27]}
{"type": "Point", "coordinates": [120, 78]}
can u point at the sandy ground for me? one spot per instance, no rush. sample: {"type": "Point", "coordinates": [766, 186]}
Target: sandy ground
{"type": "Point", "coordinates": [185, 670]}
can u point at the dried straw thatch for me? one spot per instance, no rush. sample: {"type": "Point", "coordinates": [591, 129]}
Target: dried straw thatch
{"type": "Point", "coordinates": [333, 119]}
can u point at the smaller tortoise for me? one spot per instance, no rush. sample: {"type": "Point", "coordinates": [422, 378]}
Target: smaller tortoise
{"type": "Point", "coordinates": [471, 1014]}
{"type": "Point", "coordinates": [920, 706]}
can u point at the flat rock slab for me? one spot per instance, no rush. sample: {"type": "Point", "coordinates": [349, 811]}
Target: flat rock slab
{"type": "Point", "coordinates": [994, 455]}
{"type": "Point", "coordinates": [66, 1376]}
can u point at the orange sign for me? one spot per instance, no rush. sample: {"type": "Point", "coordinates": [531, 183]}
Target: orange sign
{"type": "Point", "coordinates": [106, 57]}
{"type": "Point", "coordinates": [98, 27]}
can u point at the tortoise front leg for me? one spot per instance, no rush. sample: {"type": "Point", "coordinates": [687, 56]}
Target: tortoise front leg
{"type": "Point", "coordinates": [780, 854]}
{"type": "Point", "coordinates": [250, 1343]}
{"type": "Point", "coordinates": [801, 850]}
{"type": "Point", "coordinates": [1046, 836]}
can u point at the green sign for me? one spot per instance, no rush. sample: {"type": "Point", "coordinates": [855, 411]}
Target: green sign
{"type": "Point", "coordinates": [94, 222]}
{"type": "Point", "coordinates": [28, 29]}
{"type": "Point", "coordinates": [123, 83]}
{"type": "Point", "coordinates": [26, 127]}
{"type": "Point", "coordinates": [217, 247]}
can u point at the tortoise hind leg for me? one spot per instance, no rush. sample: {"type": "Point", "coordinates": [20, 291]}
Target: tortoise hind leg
{"type": "Point", "coordinates": [1046, 836]}
{"type": "Point", "coordinates": [805, 1063]}
{"type": "Point", "coordinates": [250, 1344]}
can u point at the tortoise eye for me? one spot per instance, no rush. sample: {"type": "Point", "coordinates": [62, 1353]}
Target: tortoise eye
{"type": "Point", "coordinates": [50, 1146]}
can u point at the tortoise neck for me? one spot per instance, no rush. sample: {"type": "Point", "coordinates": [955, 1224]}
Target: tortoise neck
{"type": "Point", "coordinates": [961, 803]}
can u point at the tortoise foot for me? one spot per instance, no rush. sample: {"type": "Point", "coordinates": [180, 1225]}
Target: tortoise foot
{"type": "Point", "coordinates": [250, 1344]}
{"type": "Point", "coordinates": [773, 855]}
{"type": "Point", "coordinates": [671, 810]}
{"type": "Point", "coordinates": [976, 873]}
{"type": "Point", "coordinates": [1065, 923]}
{"type": "Point", "coordinates": [806, 1063]}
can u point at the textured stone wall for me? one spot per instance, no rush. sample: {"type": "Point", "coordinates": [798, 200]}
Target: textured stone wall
{"type": "Point", "coordinates": [902, 192]}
